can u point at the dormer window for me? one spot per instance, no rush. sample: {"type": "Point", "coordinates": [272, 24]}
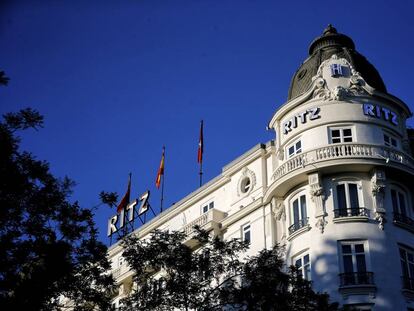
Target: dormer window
{"type": "Point", "coordinates": [336, 70]}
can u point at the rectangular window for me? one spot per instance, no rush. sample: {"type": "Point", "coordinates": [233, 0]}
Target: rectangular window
{"type": "Point", "coordinates": [294, 149]}
{"type": "Point", "coordinates": [398, 202]}
{"type": "Point", "coordinates": [207, 207]}
{"type": "Point", "coordinates": [348, 200]}
{"type": "Point", "coordinates": [299, 214]}
{"type": "Point", "coordinates": [246, 233]}
{"type": "Point", "coordinates": [390, 141]}
{"type": "Point", "coordinates": [303, 264]}
{"type": "Point", "coordinates": [341, 135]}
{"type": "Point", "coordinates": [354, 264]}
{"type": "Point", "coordinates": [407, 267]}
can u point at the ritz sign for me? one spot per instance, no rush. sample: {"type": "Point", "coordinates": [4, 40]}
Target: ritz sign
{"type": "Point", "coordinates": [302, 117]}
{"type": "Point", "coordinates": [379, 112]}
{"type": "Point", "coordinates": [127, 215]}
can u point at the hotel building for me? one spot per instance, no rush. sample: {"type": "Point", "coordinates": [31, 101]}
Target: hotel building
{"type": "Point", "coordinates": [334, 187]}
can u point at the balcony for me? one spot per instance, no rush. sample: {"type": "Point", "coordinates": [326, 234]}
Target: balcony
{"type": "Point", "coordinates": [342, 151]}
{"type": "Point", "coordinates": [357, 283]}
{"type": "Point", "coordinates": [298, 228]}
{"type": "Point", "coordinates": [404, 221]}
{"type": "Point", "coordinates": [210, 221]}
{"type": "Point", "coordinates": [352, 214]}
{"type": "Point", "coordinates": [298, 225]}
{"type": "Point", "coordinates": [356, 278]}
{"type": "Point", "coordinates": [122, 273]}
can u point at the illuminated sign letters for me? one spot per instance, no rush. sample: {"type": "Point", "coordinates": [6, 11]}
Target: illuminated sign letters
{"type": "Point", "coordinates": [379, 112]}
{"type": "Point", "coordinates": [311, 114]}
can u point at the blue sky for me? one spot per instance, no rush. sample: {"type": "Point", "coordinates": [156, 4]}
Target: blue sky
{"type": "Point", "coordinates": [117, 80]}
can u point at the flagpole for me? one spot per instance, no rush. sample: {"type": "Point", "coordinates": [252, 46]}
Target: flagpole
{"type": "Point", "coordinates": [123, 211]}
{"type": "Point", "coordinates": [162, 184]}
{"type": "Point", "coordinates": [200, 152]}
{"type": "Point", "coordinates": [201, 173]}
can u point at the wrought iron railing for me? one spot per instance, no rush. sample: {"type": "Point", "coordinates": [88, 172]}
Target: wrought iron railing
{"type": "Point", "coordinates": [297, 225]}
{"type": "Point", "coordinates": [407, 283]}
{"type": "Point", "coordinates": [351, 212]}
{"type": "Point", "coordinates": [403, 219]}
{"type": "Point", "coordinates": [356, 278]}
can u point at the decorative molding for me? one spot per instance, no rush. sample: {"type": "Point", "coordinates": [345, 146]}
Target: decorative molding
{"type": "Point", "coordinates": [380, 217]}
{"type": "Point", "coordinates": [317, 194]}
{"type": "Point", "coordinates": [246, 173]}
{"type": "Point", "coordinates": [278, 209]}
{"type": "Point", "coordinates": [378, 194]}
{"type": "Point", "coordinates": [357, 85]}
{"type": "Point", "coordinates": [321, 224]}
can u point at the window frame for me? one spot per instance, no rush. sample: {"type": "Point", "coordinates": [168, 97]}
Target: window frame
{"type": "Point", "coordinates": [390, 138]}
{"type": "Point", "coordinates": [207, 206]}
{"type": "Point", "coordinates": [303, 267]}
{"type": "Point", "coordinates": [400, 191]}
{"type": "Point", "coordinates": [297, 197]}
{"type": "Point", "coordinates": [296, 150]}
{"type": "Point", "coordinates": [348, 199]}
{"type": "Point", "coordinates": [246, 229]}
{"type": "Point", "coordinates": [408, 271]}
{"type": "Point", "coordinates": [354, 255]}
{"type": "Point", "coordinates": [341, 137]}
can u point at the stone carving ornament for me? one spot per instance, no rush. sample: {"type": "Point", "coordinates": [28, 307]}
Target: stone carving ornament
{"type": "Point", "coordinates": [246, 173]}
{"type": "Point", "coordinates": [357, 85]}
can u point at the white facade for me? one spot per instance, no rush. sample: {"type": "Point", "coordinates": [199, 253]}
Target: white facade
{"type": "Point", "coordinates": [334, 187]}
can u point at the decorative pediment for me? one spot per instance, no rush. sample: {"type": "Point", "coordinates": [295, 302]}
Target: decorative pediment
{"type": "Point", "coordinates": [336, 79]}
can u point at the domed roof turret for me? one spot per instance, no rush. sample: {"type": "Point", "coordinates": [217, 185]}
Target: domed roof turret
{"type": "Point", "coordinates": [331, 42]}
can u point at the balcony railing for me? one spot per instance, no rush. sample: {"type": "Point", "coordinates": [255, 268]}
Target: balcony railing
{"type": "Point", "coordinates": [404, 220]}
{"type": "Point", "coordinates": [356, 278]}
{"type": "Point", "coordinates": [351, 212]}
{"type": "Point", "coordinates": [342, 151]}
{"type": "Point", "coordinates": [297, 225]}
{"type": "Point", "coordinates": [207, 221]}
{"type": "Point", "coordinates": [407, 283]}
{"type": "Point", "coordinates": [119, 272]}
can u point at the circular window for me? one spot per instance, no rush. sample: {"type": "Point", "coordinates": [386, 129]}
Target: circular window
{"type": "Point", "coordinates": [245, 185]}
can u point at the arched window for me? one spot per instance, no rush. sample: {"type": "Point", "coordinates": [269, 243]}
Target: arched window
{"type": "Point", "coordinates": [402, 210]}
{"type": "Point", "coordinates": [298, 212]}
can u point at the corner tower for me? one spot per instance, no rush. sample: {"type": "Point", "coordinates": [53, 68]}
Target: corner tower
{"type": "Point", "coordinates": [341, 185]}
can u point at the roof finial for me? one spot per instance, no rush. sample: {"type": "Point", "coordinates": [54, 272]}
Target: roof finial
{"type": "Point", "coordinates": [329, 30]}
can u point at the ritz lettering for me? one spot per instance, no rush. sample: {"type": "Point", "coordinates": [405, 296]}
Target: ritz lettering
{"type": "Point", "coordinates": [380, 112]}
{"type": "Point", "coordinates": [127, 215]}
{"type": "Point", "coordinates": [309, 114]}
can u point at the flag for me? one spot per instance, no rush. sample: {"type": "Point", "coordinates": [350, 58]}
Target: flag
{"type": "Point", "coordinates": [125, 200]}
{"type": "Point", "coordinates": [160, 170]}
{"type": "Point", "coordinates": [200, 145]}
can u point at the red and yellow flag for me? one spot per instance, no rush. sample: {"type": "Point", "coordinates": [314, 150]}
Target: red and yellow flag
{"type": "Point", "coordinates": [125, 200]}
{"type": "Point", "coordinates": [160, 169]}
{"type": "Point", "coordinates": [200, 145]}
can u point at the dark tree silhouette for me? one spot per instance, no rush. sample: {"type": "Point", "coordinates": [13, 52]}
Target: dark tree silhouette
{"type": "Point", "coordinates": [170, 275]}
{"type": "Point", "coordinates": [48, 245]}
